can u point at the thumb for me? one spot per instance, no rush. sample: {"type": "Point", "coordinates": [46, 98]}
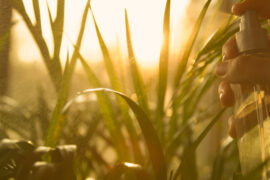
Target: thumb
{"type": "Point", "coordinates": [239, 8]}
{"type": "Point", "coordinates": [262, 7]}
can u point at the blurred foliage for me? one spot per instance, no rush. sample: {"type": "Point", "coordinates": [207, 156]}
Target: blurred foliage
{"type": "Point", "coordinates": [22, 161]}
{"type": "Point", "coordinates": [118, 137]}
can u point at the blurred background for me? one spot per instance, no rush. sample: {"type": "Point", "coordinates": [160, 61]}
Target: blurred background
{"type": "Point", "coordinates": [27, 79]}
{"type": "Point", "coordinates": [146, 30]}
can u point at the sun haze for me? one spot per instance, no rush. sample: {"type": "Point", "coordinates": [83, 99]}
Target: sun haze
{"type": "Point", "coordinates": [145, 17]}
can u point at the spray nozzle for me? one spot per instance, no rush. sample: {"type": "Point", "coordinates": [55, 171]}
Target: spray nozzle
{"type": "Point", "coordinates": [249, 20]}
{"type": "Point", "coordinates": [251, 36]}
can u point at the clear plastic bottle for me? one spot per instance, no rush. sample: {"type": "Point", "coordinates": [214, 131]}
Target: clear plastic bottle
{"type": "Point", "coordinates": [252, 106]}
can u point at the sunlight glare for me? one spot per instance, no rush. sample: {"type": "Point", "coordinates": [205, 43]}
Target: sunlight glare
{"type": "Point", "coordinates": [145, 18]}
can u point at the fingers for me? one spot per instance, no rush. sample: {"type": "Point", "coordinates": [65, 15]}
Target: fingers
{"type": "Point", "coordinates": [230, 49]}
{"type": "Point", "coordinates": [245, 69]}
{"type": "Point", "coordinates": [226, 95]}
{"type": "Point", "coordinates": [239, 8]}
{"type": "Point", "coordinates": [261, 6]}
{"type": "Point", "coordinates": [238, 126]}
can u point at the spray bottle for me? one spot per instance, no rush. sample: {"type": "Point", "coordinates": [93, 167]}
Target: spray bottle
{"type": "Point", "coordinates": [252, 101]}
{"type": "Point", "coordinates": [251, 115]}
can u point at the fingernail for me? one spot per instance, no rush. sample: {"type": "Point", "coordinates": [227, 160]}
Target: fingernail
{"type": "Point", "coordinates": [223, 57]}
{"type": "Point", "coordinates": [237, 9]}
{"type": "Point", "coordinates": [221, 69]}
{"type": "Point", "coordinates": [233, 8]}
{"type": "Point", "coordinates": [221, 94]}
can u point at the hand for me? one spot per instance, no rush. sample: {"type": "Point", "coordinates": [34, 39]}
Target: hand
{"type": "Point", "coordinates": [240, 69]}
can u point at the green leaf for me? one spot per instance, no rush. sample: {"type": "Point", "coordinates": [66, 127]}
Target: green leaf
{"type": "Point", "coordinates": [181, 68]}
{"type": "Point", "coordinates": [208, 128]}
{"type": "Point", "coordinates": [151, 138]}
{"type": "Point", "coordinates": [194, 98]}
{"type": "Point", "coordinates": [228, 156]}
{"type": "Point", "coordinates": [108, 113]}
{"type": "Point", "coordinates": [116, 85]}
{"type": "Point", "coordinates": [58, 27]}
{"type": "Point", "coordinates": [135, 71]}
{"type": "Point", "coordinates": [209, 53]}
{"type": "Point", "coordinates": [57, 120]}
{"type": "Point", "coordinates": [107, 58]}
{"type": "Point", "coordinates": [256, 173]}
{"type": "Point", "coordinates": [219, 37]}
{"type": "Point", "coordinates": [175, 142]}
{"type": "Point", "coordinates": [13, 117]}
{"type": "Point", "coordinates": [163, 70]}
{"type": "Point", "coordinates": [189, 152]}
{"type": "Point", "coordinates": [13, 158]}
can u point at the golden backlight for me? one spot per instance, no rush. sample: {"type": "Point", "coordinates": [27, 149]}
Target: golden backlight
{"type": "Point", "coordinates": [146, 21]}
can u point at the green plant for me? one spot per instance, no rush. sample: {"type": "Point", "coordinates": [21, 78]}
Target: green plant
{"type": "Point", "coordinates": [24, 161]}
{"type": "Point", "coordinates": [145, 143]}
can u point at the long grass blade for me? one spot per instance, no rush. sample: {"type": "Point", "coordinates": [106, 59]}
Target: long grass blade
{"type": "Point", "coordinates": [163, 70]}
{"type": "Point", "coordinates": [58, 28]}
{"type": "Point", "coordinates": [105, 104]}
{"type": "Point", "coordinates": [208, 128]}
{"type": "Point", "coordinates": [135, 71]}
{"type": "Point", "coordinates": [188, 156]}
{"type": "Point", "coordinates": [13, 117]}
{"type": "Point", "coordinates": [116, 85]}
{"type": "Point", "coordinates": [107, 58]}
{"type": "Point", "coordinates": [151, 138]}
{"type": "Point", "coordinates": [108, 113]}
{"type": "Point", "coordinates": [75, 55]}
{"type": "Point", "coordinates": [189, 46]}
{"type": "Point", "coordinates": [57, 120]}
{"type": "Point", "coordinates": [227, 155]}
{"type": "Point", "coordinates": [193, 100]}
{"type": "Point", "coordinates": [174, 143]}
{"type": "Point", "coordinates": [208, 54]}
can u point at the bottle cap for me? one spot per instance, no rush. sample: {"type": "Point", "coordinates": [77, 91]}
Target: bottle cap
{"type": "Point", "coordinates": [251, 35]}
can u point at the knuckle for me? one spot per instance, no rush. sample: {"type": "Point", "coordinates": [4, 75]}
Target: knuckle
{"type": "Point", "coordinates": [237, 70]}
